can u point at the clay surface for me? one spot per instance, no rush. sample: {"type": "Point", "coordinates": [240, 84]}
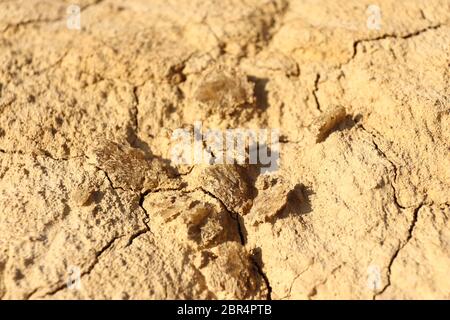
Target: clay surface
{"type": "Point", "coordinates": [358, 208]}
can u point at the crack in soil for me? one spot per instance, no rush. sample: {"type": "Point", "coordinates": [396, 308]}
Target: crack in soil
{"type": "Point", "coordinates": [61, 287]}
{"type": "Point", "coordinates": [145, 220]}
{"type": "Point", "coordinates": [388, 36]}
{"type": "Point", "coordinates": [394, 166]}
{"type": "Point", "coordinates": [400, 247]}
{"type": "Point", "coordinates": [236, 216]}
{"type": "Point", "coordinates": [315, 90]}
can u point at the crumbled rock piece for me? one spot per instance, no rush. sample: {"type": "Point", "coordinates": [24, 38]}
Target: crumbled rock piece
{"type": "Point", "coordinates": [193, 217]}
{"type": "Point", "coordinates": [224, 89]}
{"type": "Point", "coordinates": [228, 183]}
{"type": "Point", "coordinates": [327, 122]}
{"type": "Point", "coordinates": [272, 200]}
{"type": "Point", "coordinates": [220, 96]}
{"type": "Point", "coordinates": [239, 281]}
{"type": "Point", "coordinates": [128, 168]}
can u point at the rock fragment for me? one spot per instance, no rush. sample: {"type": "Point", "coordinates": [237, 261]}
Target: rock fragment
{"type": "Point", "coordinates": [234, 262]}
{"type": "Point", "coordinates": [327, 122]}
{"type": "Point", "coordinates": [222, 88]}
{"type": "Point", "coordinates": [192, 217]}
{"type": "Point", "coordinates": [220, 96]}
{"type": "Point", "coordinates": [229, 183]}
{"type": "Point", "coordinates": [272, 199]}
{"type": "Point", "coordinates": [128, 168]}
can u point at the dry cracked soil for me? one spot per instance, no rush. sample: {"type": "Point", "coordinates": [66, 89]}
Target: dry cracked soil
{"type": "Point", "coordinates": [358, 208]}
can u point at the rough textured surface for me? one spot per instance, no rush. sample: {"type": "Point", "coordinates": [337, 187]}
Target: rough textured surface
{"type": "Point", "coordinates": [359, 207]}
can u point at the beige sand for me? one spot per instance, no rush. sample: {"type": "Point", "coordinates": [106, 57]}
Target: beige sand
{"type": "Point", "coordinates": [360, 205]}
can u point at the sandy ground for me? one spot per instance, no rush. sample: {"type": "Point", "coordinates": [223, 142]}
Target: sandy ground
{"type": "Point", "coordinates": [93, 207]}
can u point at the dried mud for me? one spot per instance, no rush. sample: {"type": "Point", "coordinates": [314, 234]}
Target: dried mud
{"type": "Point", "coordinates": [86, 118]}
